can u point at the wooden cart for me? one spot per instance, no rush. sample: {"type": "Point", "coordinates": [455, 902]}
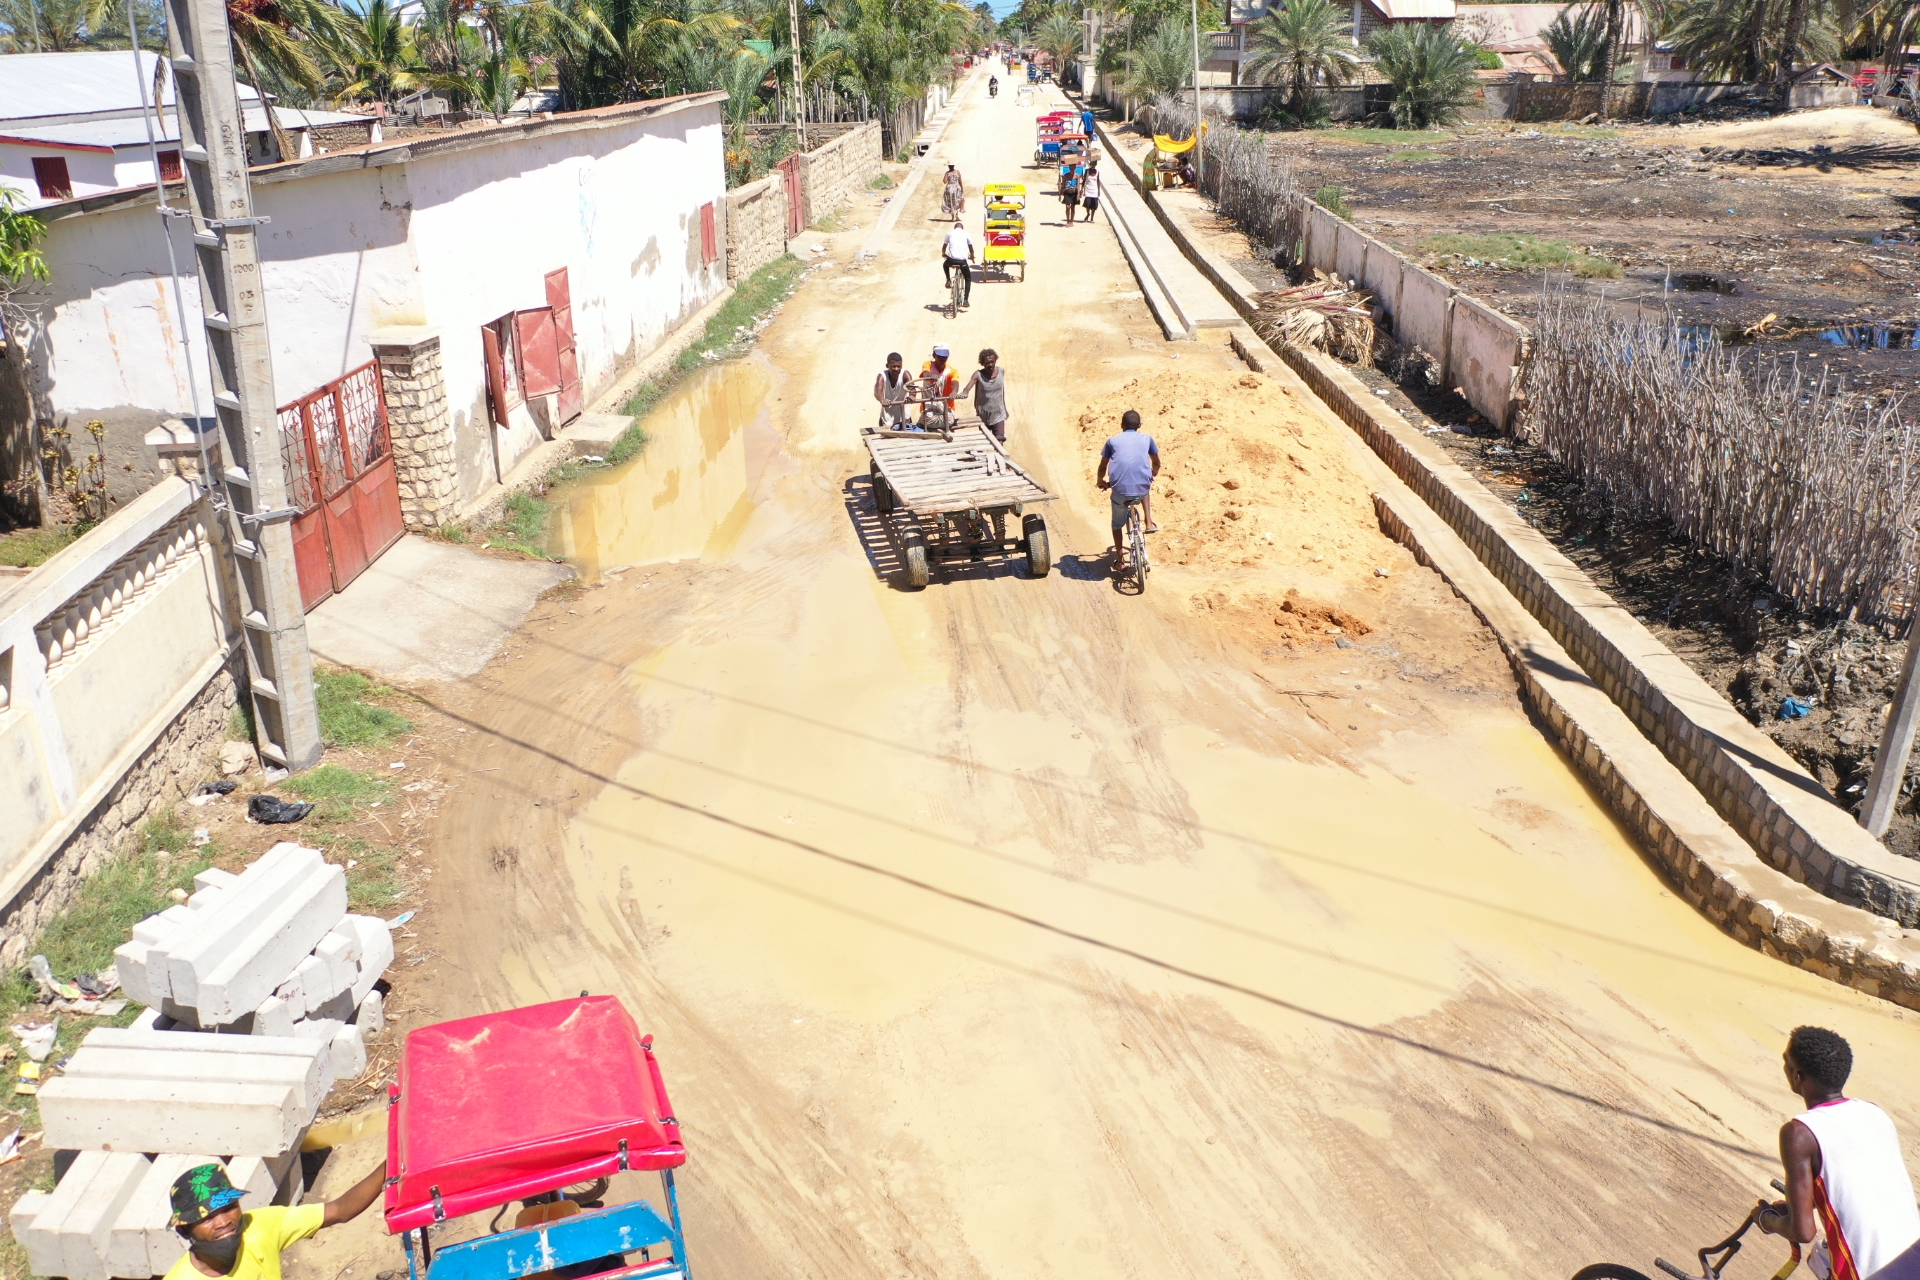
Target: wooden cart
{"type": "Point", "coordinates": [953, 491]}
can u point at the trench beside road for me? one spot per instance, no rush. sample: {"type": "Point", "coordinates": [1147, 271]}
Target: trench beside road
{"type": "Point", "coordinates": [1025, 927]}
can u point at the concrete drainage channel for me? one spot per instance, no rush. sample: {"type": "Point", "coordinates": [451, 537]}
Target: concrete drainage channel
{"type": "Point", "coordinates": [1700, 786]}
{"type": "Point", "coordinates": [269, 957]}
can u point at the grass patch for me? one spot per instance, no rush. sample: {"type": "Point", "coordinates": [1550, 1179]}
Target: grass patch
{"type": "Point", "coordinates": [833, 222]}
{"type": "Point", "coordinates": [1415, 155]}
{"type": "Point", "coordinates": [373, 881]}
{"type": "Point", "coordinates": [1522, 252]}
{"type": "Point", "coordinates": [336, 791]}
{"type": "Point", "coordinates": [240, 721]}
{"type": "Point", "coordinates": [26, 548]}
{"type": "Point", "coordinates": [1334, 200]}
{"type": "Point", "coordinates": [1381, 137]}
{"type": "Point", "coordinates": [348, 718]}
{"type": "Point", "coordinates": [755, 297]}
{"type": "Point", "coordinates": [879, 182]}
{"type": "Point", "coordinates": [1585, 131]}
{"type": "Point", "coordinates": [453, 531]}
{"type": "Point", "coordinates": [522, 527]}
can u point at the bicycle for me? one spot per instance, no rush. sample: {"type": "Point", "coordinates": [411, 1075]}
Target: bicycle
{"type": "Point", "coordinates": [956, 287]}
{"type": "Point", "coordinates": [1137, 564]}
{"type": "Point", "coordinates": [1710, 1265]}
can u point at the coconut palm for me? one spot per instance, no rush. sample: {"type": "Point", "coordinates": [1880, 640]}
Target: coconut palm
{"type": "Point", "coordinates": [377, 61]}
{"type": "Point", "coordinates": [1744, 39]}
{"type": "Point", "coordinates": [1060, 36]}
{"type": "Point", "coordinates": [1160, 63]}
{"type": "Point", "coordinates": [1304, 46]}
{"type": "Point", "coordinates": [1431, 71]}
{"type": "Point", "coordinates": [1578, 40]}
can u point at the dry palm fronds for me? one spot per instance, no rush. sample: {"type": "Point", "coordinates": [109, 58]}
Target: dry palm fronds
{"type": "Point", "coordinates": [1778, 469]}
{"type": "Point", "coordinates": [1326, 315]}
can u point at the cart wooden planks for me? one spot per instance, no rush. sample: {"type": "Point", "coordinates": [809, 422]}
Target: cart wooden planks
{"type": "Point", "coordinates": [955, 492]}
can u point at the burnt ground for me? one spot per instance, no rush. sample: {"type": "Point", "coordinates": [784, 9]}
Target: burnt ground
{"type": "Point", "coordinates": [1808, 218]}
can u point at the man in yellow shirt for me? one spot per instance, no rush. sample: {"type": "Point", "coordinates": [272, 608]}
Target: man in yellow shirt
{"type": "Point", "coordinates": [222, 1241]}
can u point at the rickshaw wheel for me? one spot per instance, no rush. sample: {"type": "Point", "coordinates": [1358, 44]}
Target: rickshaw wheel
{"type": "Point", "coordinates": [587, 1192]}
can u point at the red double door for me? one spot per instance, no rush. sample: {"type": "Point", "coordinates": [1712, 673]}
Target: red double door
{"type": "Point", "coordinates": [339, 462]}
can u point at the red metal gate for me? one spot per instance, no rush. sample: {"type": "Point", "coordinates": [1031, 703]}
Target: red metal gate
{"type": "Point", "coordinates": [794, 166]}
{"type": "Point", "coordinates": [560, 298]}
{"type": "Point", "coordinates": [340, 475]}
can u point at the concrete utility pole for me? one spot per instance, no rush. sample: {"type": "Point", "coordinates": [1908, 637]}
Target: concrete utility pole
{"type": "Point", "coordinates": [213, 154]}
{"type": "Point", "coordinates": [799, 84]}
{"type": "Point", "coordinates": [1896, 744]}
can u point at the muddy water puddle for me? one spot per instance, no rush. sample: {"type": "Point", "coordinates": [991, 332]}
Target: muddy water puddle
{"type": "Point", "coordinates": [691, 491]}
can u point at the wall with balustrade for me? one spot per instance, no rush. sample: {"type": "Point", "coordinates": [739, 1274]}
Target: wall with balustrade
{"type": "Point", "coordinates": [115, 676]}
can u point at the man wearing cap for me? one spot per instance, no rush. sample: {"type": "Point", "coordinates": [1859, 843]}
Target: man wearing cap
{"type": "Point", "coordinates": [223, 1241]}
{"type": "Point", "coordinates": [940, 383]}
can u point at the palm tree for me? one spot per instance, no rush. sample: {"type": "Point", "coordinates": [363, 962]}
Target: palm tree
{"type": "Point", "coordinates": [1578, 40]}
{"type": "Point", "coordinates": [1305, 45]}
{"type": "Point", "coordinates": [1162, 63]}
{"type": "Point", "coordinates": [377, 61]}
{"type": "Point", "coordinates": [1742, 39]}
{"type": "Point", "coordinates": [1431, 71]}
{"type": "Point", "coordinates": [1060, 36]}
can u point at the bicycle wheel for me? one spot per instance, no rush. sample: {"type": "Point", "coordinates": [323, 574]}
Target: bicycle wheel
{"type": "Point", "coordinates": [953, 302]}
{"type": "Point", "coordinates": [1608, 1271]}
{"type": "Point", "coordinates": [1141, 568]}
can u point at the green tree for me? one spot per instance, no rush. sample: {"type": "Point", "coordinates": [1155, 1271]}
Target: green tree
{"type": "Point", "coordinates": [376, 60]}
{"type": "Point", "coordinates": [1060, 37]}
{"type": "Point", "coordinates": [1744, 39]}
{"type": "Point", "coordinates": [57, 26]}
{"type": "Point", "coordinates": [1160, 63]}
{"type": "Point", "coordinates": [21, 260]}
{"type": "Point", "coordinates": [1430, 69]}
{"type": "Point", "coordinates": [1306, 45]}
{"type": "Point", "coordinates": [1578, 41]}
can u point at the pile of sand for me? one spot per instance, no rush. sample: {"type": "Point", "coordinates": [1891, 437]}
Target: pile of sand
{"type": "Point", "coordinates": [1257, 500]}
{"type": "Point", "coordinates": [1834, 127]}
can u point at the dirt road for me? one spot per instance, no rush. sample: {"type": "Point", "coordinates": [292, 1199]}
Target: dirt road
{"type": "Point", "coordinates": [1028, 928]}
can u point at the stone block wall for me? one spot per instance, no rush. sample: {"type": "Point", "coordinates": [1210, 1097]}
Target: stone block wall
{"type": "Point", "coordinates": [418, 422]}
{"type": "Point", "coordinates": [756, 225]}
{"type": "Point", "coordinates": [839, 170]}
{"type": "Point", "coordinates": [184, 754]}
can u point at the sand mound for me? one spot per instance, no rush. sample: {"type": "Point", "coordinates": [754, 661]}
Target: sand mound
{"type": "Point", "coordinates": [1250, 479]}
{"type": "Point", "coordinates": [1833, 127]}
{"type": "Point", "coordinates": [1292, 620]}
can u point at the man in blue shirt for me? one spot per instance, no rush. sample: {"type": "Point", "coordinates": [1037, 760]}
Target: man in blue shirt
{"type": "Point", "coordinates": [1128, 464]}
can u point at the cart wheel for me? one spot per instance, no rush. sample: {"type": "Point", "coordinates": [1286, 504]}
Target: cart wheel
{"type": "Point", "coordinates": [1039, 555]}
{"type": "Point", "coordinates": [882, 492]}
{"type": "Point", "coordinates": [914, 542]}
{"type": "Point", "coordinates": [587, 1192]}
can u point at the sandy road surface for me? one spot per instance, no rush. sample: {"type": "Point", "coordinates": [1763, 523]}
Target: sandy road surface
{"type": "Point", "coordinates": [1026, 928]}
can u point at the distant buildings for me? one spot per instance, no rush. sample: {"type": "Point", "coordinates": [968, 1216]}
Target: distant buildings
{"type": "Point", "coordinates": [71, 124]}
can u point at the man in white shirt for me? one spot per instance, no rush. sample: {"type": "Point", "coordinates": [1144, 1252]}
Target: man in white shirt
{"type": "Point", "coordinates": [1090, 190]}
{"type": "Point", "coordinates": [957, 253]}
{"type": "Point", "coordinates": [1846, 1179]}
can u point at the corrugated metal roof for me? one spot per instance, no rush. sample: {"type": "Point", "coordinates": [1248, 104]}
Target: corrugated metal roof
{"type": "Point", "coordinates": [49, 85]}
{"type": "Point", "coordinates": [131, 132]}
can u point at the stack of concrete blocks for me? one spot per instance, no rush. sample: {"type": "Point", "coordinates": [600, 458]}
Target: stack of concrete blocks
{"type": "Point", "coordinates": [271, 952]}
{"type": "Point", "coordinates": [109, 1216]}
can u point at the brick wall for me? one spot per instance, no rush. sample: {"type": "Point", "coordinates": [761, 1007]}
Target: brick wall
{"type": "Point", "coordinates": [838, 170]}
{"type": "Point", "coordinates": [756, 225]}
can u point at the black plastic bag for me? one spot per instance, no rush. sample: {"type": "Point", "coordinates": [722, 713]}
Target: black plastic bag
{"type": "Point", "coordinates": [272, 810]}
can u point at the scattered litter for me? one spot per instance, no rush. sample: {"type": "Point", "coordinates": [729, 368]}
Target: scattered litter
{"type": "Point", "coordinates": [36, 1039]}
{"type": "Point", "coordinates": [89, 1008]}
{"type": "Point", "coordinates": [401, 764]}
{"type": "Point", "coordinates": [1381, 573]}
{"type": "Point", "coordinates": [272, 774]}
{"type": "Point", "coordinates": [101, 983]}
{"type": "Point", "coordinates": [1381, 391]}
{"type": "Point", "coordinates": [1341, 642]}
{"type": "Point", "coordinates": [401, 919]}
{"type": "Point", "coordinates": [221, 787]}
{"type": "Point", "coordinates": [1795, 708]}
{"type": "Point", "coordinates": [49, 985]}
{"type": "Point", "coordinates": [591, 457]}
{"type": "Point", "coordinates": [10, 1149]}
{"type": "Point", "coordinates": [201, 836]}
{"type": "Point", "coordinates": [27, 1079]}
{"type": "Point", "coordinates": [273, 811]}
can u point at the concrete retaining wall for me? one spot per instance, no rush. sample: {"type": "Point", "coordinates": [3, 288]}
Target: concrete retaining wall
{"type": "Point", "coordinates": [115, 676]}
{"type": "Point", "coordinates": [837, 171]}
{"type": "Point", "coordinates": [756, 225]}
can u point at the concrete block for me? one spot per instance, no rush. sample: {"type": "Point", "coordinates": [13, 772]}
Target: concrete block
{"type": "Point", "coordinates": [43, 1253]}
{"type": "Point", "coordinates": [376, 952]}
{"type": "Point", "coordinates": [76, 1221]}
{"type": "Point", "coordinates": [338, 1009]}
{"type": "Point", "coordinates": [274, 1017]}
{"type": "Point", "coordinates": [238, 979]}
{"type": "Point", "coordinates": [213, 876]}
{"type": "Point", "coordinates": [158, 929]}
{"type": "Point", "coordinates": [155, 1065]}
{"type": "Point", "coordinates": [349, 934]}
{"type": "Point", "coordinates": [226, 925]}
{"type": "Point", "coordinates": [130, 961]}
{"type": "Point", "coordinates": [371, 1017]}
{"type": "Point", "coordinates": [311, 974]}
{"type": "Point", "coordinates": [147, 1021]}
{"type": "Point", "coordinates": [94, 1113]}
{"type": "Point", "coordinates": [349, 1053]}
{"type": "Point", "coordinates": [140, 1236]}
{"type": "Point", "coordinates": [321, 1031]}
{"type": "Point", "coordinates": [341, 953]}
{"type": "Point", "coordinates": [255, 1176]}
{"type": "Point", "coordinates": [294, 992]}
{"type": "Point", "coordinates": [210, 1051]}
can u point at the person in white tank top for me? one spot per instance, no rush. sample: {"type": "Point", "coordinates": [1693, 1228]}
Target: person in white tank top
{"type": "Point", "coordinates": [1846, 1180]}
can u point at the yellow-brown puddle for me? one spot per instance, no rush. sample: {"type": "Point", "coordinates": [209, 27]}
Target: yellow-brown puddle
{"type": "Point", "coordinates": [691, 490]}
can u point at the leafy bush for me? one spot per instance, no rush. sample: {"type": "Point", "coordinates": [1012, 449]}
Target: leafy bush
{"type": "Point", "coordinates": [1430, 69]}
{"type": "Point", "coordinates": [1334, 200]}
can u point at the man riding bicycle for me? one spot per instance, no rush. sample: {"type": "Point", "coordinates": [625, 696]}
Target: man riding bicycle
{"type": "Point", "coordinates": [1128, 464]}
{"type": "Point", "coordinates": [957, 253]}
{"type": "Point", "coordinates": [953, 194]}
{"type": "Point", "coordinates": [993, 86]}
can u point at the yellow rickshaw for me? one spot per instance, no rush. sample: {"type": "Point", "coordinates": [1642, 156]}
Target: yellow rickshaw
{"type": "Point", "coordinates": [1006, 229]}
